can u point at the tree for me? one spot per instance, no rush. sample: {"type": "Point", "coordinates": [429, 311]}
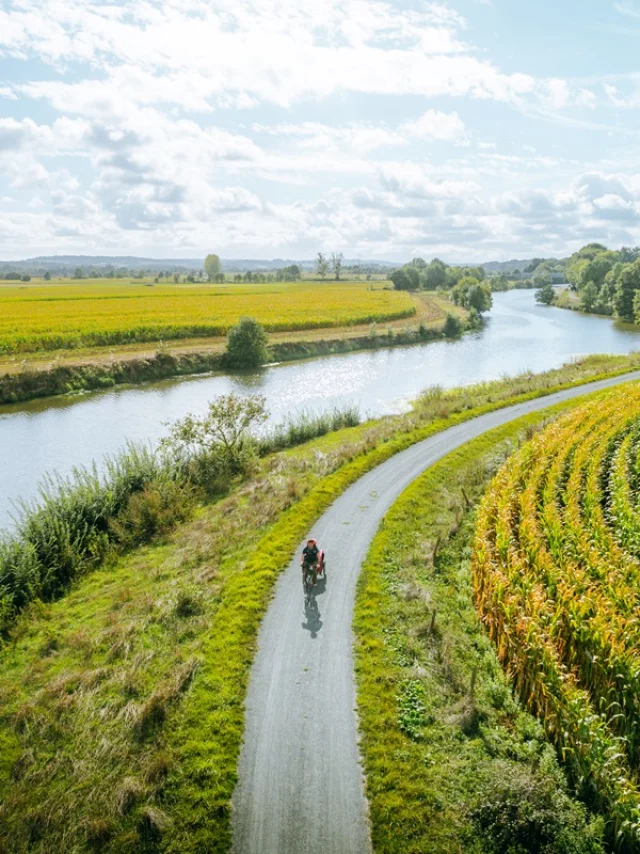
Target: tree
{"type": "Point", "coordinates": [176, 278]}
{"type": "Point", "coordinates": [47, 276]}
{"type": "Point", "coordinates": [292, 273]}
{"type": "Point", "coordinates": [546, 294]}
{"type": "Point", "coordinates": [542, 278]}
{"type": "Point", "coordinates": [589, 296]}
{"type": "Point", "coordinates": [435, 274]}
{"type": "Point", "coordinates": [25, 277]}
{"type": "Point", "coordinates": [628, 284]}
{"type": "Point", "coordinates": [414, 276]}
{"type": "Point", "coordinates": [421, 264]}
{"type": "Point", "coordinates": [336, 263]}
{"type": "Point", "coordinates": [212, 266]}
{"type": "Point", "coordinates": [479, 297]}
{"type": "Point", "coordinates": [78, 273]}
{"type": "Point", "coordinates": [322, 266]}
{"type": "Point", "coordinates": [247, 345]}
{"type": "Point", "coordinates": [401, 280]}
{"type": "Point", "coordinates": [452, 326]}
{"type": "Point", "coordinates": [531, 266]}
{"type": "Point", "coordinates": [220, 445]}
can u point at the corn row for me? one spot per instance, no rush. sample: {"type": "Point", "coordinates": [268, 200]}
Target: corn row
{"type": "Point", "coordinates": [557, 583]}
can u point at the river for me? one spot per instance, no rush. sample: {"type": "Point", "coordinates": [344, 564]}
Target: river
{"type": "Point", "coordinates": [57, 434]}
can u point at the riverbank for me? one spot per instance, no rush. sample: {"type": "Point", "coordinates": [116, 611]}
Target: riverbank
{"type": "Point", "coordinates": [73, 373]}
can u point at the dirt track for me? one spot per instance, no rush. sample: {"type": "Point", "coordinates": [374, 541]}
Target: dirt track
{"type": "Point", "coordinates": [301, 788]}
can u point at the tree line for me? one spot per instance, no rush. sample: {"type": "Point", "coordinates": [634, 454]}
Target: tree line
{"type": "Point", "coordinates": [607, 281]}
{"type": "Point", "coordinates": [467, 286]}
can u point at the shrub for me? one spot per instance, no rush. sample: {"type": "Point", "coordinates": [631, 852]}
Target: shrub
{"type": "Point", "coordinates": [247, 345]}
{"type": "Point", "coordinates": [160, 506]}
{"type": "Point", "coordinates": [522, 814]}
{"type": "Point", "coordinates": [212, 450]}
{"type": "Point", "coordinates": [452, 326]}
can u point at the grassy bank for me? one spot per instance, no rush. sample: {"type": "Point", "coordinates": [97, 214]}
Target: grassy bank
{"type": "Point", "coordinates": [121, 705]}
{"type": "Point", "coordinates": [36, 379]}
{"type": "Point", "coordinates": [452, 761]}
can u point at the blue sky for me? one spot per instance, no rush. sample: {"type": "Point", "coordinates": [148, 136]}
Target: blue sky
{"type": "Point", "coordinates": [473, 130]}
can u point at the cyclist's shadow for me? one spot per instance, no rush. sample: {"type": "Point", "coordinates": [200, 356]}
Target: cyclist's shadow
{"type": "Point", "coordinates": [313, 621]}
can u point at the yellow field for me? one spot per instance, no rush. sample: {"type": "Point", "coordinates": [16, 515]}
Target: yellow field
{"type": "Point", "coordinates": [51, 316]}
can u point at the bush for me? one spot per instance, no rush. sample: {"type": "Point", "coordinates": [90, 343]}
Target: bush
{"type": "Point", "coordinates": [210, 451]}
{"type": "Point", "coordinates": [246, 345]}
{"type": "Point", "coordinates": [160, 506]}
{"type": "Point", "coordinates": [452, 326]}
{"type": "Point", "coordinates": [522, 814]}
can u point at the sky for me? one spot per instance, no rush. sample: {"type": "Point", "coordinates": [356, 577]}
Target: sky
{"type": "Point", "coordinates": [475, 130]}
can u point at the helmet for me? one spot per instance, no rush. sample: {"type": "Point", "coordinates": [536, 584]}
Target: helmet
{"type": "Point", "coordinates": [311, 540]}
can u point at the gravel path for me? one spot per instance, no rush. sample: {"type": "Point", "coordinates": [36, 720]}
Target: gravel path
{"type": "Point", "coordinates": [300, 788]}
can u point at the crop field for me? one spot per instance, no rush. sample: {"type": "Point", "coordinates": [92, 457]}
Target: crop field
{"type": "Point", "coordinates": [557, 582]}
{"type": "Point", "coordinates": [64, 316]}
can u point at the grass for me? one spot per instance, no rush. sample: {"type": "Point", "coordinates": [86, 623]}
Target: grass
{"type": "Point", "coordinates": [89, 314]}
{"type": "Point", "coordinates": [443, 740]}
{"type": "Point", "coordinates": [121, 705]}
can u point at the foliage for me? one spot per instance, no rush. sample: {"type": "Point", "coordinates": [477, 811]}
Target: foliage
{"type": "Point", "coordinates": [589, 296]}
{"type": "Point", "coordinates": [322, 266]}
{"type": "Point", "coordinates": [336, 264]}
{"type": "Point", "coordinates": [556, 578]}
{"type": "Point", "coordinates": [545, 295]}
{"type": "Point", "coordinates": [452, 326]}
{"type": "Point", "coordinates": [435, 274]}
{"type": "Point", "coordinates": [214, 449]}
{"type": "Point", "coordinates": [247, 345]}
{"type": "Point", "coordinates": [628, 285]}
{"type": "Point", "coordinates": [212, 266]}
{"type": "Point", "coordinates": [470, 293]}
{"type": "Point", "coordinates": [520, 813]}
{"type": "Point", "coordinates": [402, 281]}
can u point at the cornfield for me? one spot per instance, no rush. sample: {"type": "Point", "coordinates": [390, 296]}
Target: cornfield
{"type": "Point", "coordinates": [51, 318]}
{"type": "Point", "coordinates": [557, 583]}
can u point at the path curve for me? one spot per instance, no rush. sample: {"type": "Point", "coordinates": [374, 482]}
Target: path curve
{"type": "Point", "coordinates": [300, 788]}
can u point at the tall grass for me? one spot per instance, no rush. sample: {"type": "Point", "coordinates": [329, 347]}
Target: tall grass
{"type": "Point", "coordinates": [306, 426]}
{"type": "Point", "coordinates": [77, 523]}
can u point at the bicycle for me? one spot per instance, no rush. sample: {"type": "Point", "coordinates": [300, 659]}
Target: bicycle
{"type": "Point", "coordinates": [307, 581]}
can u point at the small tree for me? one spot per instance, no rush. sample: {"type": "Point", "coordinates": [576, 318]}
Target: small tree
{"type": "Point", "coordinates": [212, 266]}
{"type": "Point", "coordinates": [452, 326]}
{"type": "Point", "coordinates": [546, 294]}
{"type": "Point", "coordinates": [400, 279]}
{"type": "Point", "coordinates": [589, 296]}
{"type": "Point", "coordinates": [47, 276]}
{"type": "Point", "coordinates": [322, 265]}
{"type": "Point", "coordinates": [247, 345]}
{"type": "Point", "coordinates": [336, 263]}
{"type": "Point", "coordinates": [213, 449]}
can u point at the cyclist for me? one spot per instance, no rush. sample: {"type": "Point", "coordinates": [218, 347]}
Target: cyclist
{"type": "Point", "coordinates": [311, 558]}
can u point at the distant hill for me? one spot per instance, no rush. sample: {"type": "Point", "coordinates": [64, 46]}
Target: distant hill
{"type": "Point", "coordinates": [66, 264]}
{"type": "Point", "coordinates": [61, 263]}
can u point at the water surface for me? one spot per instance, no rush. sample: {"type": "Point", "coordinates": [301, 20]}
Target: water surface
{"type": "Point", "coordinates": [63, 432]}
